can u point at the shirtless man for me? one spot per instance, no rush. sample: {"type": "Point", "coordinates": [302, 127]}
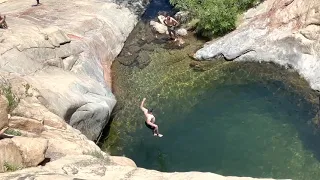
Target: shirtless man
{"type": "Point", "coordinates": [3, 23]}
{"type": "Point", "coordinates": [150, 119]}
{"type": "Point", "coordinates": [171, 23]}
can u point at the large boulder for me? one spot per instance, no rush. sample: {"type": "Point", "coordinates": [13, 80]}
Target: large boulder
{"type": "Point", "coordinates": [3, 112]}
{"type": "Point", "coordinates": [182, 16]}
{"type": "Point", "coordinates": [281, 31]}
{"type": "Point", "coordinates": [158, 27]}
{"type": "Point", "coordinates": [10, 157]}
{"type": "Point", "coordinates": [26, 124]}
{"type": "Point", "coordinates": [32, 150]}
{"type": "Point", "coordinates": [67, 142]}
{"type": "Point", "coordinates": [65, 57]}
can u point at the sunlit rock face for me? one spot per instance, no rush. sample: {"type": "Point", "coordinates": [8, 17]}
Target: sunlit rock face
{"type": "Point", "coordinates": [282, 31]}
{"type": "Point", "coordinates": [64, 51]}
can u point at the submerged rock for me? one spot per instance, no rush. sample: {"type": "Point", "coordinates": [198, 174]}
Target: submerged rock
{"type": "Point", "coordinates": [197, 66]}
{"type": "Point", "coordinates": [143, 59]}
{"type": "Point", "coordinates": [128, 60]}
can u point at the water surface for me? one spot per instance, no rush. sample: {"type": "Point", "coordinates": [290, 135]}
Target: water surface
{"type": "Point", "coordinates": [242, 130]}
{"type": "Point", "coordinates": [230, 118]}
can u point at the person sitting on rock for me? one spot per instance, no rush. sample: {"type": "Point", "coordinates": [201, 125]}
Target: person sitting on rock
{"type": "Point", "coordinates": [150, 119]}
{"type": "Point", "coordinates": [3, 23]}
{"type": "Point", "coordinates": [171, 24]}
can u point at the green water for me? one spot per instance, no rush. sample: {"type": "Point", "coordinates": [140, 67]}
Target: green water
{"type": "Point", "coordinates": [230, 118]}
{"type": "Point", "coordinates": [242, 130]}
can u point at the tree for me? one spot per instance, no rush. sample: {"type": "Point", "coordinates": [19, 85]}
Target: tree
{"type": "Point", "coordinates": [216, 17]}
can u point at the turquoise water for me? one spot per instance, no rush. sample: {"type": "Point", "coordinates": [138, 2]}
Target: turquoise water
{"type": "Point", "coordinates": [258, 130]}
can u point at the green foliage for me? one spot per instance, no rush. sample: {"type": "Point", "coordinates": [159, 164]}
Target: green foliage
{"type": "Point", "coordinates": [8, 167]}
{"type": "Point", "coordinates": [13, 132]}
{"type": "Point", "coordinates": [216, 17]}
{"type": "Point", "coordinates": [6, 90]}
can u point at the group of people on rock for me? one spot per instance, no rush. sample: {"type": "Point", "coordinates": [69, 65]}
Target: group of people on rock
{"type": "Point", "coordinates": [3, 23]}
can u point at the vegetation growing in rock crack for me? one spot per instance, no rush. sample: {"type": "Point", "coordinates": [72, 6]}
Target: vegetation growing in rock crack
{"type": "Point", "coordinates": [216, 17]}
{"type": "Point", "coordinates": [13, 132]}
{"type": "Point", "coordinates": [8, 167]}
{"type": "Point", "coordinates": [6, 90]}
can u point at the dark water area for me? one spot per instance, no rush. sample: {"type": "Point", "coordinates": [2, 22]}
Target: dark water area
{"type": "Point", "coordinates": [155, 7]}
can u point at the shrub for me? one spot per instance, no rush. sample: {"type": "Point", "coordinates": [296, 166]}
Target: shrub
{"type": "Point", "coordinates": [8, 167]}
{"type": "Point", "coordinates": [6, 90]}
{"type": "Point", "coordinates": [216, 17]}
{"type": "Point", "coordinates": [13, 132]}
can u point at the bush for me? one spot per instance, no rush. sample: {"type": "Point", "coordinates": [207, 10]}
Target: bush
{"type": "Point", "coordinates": [216, 17]}
{"type": "Point", "coordinates": [8, 167]}
{"type": "Point", "coordinates": [13, 132]}
{"type": "Point", "coordinates": [6, 90]}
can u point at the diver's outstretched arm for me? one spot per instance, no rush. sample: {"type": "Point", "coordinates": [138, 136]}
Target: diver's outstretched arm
{"type": "Point", "coordinates": [142, 106]}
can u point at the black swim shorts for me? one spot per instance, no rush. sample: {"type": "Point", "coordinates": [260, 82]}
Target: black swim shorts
{"type": "Point", "coordinates": [150, 127]}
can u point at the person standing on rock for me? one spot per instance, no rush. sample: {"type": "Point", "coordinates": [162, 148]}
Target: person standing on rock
{"type": "Point", "coordinates": [3, 24]}
{"type": "Point", "coordinates": [150, 119]}
{"type": "Point", "coordinates": [171, 24]}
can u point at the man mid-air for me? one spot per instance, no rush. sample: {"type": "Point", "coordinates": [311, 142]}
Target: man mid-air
{"type": "Point", "coordinates": [150, 119]}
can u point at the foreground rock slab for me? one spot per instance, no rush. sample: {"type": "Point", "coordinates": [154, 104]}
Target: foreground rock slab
{"type": "Point", "coordinates": [88, 167]}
